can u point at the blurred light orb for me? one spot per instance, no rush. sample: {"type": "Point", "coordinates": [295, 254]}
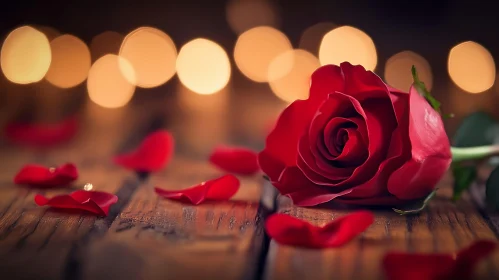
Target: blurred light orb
{"type": "Point", "coordinates": [243, 15]}
{"type": "Point", "coordinates": [108, 42]}
{"type": "Point", "coordinates": [311, 38]}
{"type": "Point", "coordinates": [256, 48]}
{"type": "Point", "coordinates": [398, 70]}
{"type": "Point", "coordinates": [350, 44]}
{"type": "Point", "coordinates": [25, 56]}
{"type": "Point", "coordinates": [296, 83]}
{"type": "Point", "coordinates": [106, 82]}
{"type": "Point", "coordinates": [50, 32]}
{"type": "Point", "coordinates": [152, 54]}
{"type": "Point", "coordinates": [203, 66]}
{"type": "Point", "coordinates": [471, 67]}
{"type": "Point", "coordinates": [70, 61]}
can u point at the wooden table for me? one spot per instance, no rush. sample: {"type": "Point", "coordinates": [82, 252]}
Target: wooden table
{"type": "Point", "coordinates": [146, 237]}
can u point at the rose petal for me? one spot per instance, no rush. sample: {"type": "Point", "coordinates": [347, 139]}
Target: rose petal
{"type": "Point", "coordinates": [325, 80]}
{"type": "Point", "coordinates": [288, 230]}
{"type": "Point", "coordinates": [42, 135]}
{"type": "Point", "coordinates": [354, 150]}
{"type": "Point", "coordinates": [380, 121]}
{"type": "Point", "coordinates": [302, 192]}
{"type": "Point", "coordinates": [437, 266]}
{"type": "Point", "coordinates": [281, 143]}
{"type": "Point", "coordinates": [38, 175]}
{"type": "Point", "coordinates": [416, 267]}
{"type": "Point", "coordinates": [468, 258]}
{"type": "Point", "coordinates": [235, 160]}
{"type": "Point", "coordinates": [220, 189]}
{"type": "Point", "coordinates": [90, 201]}
{"type": "Point", "coordinates": [430, 156]}
{"type": "Point", "coordinates": [362, 84]}
{"type": "Point", "coordinates": [152, 155]}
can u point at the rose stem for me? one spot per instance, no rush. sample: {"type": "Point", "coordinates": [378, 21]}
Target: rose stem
{"type": "Point", "coordinates": [460, 154]}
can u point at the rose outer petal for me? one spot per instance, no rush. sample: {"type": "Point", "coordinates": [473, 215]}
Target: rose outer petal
{"type": "Point", "coordinates": [362, 84]}
{"type": "Point", "coordinates": [302, 192]}
{"type": "Point", "coordinates": [430, 156]}
{"type": "Point", "coordinates": [152, 155]}
{"type": "Point", "coordinates": [324, 81]}
{"type": "Point", "coordinates": [237, 160]}
{"type": "Point", "coordinates": [220, 189]}
{"type": "Point", "coordinates": [281, 144]}
{"type": "Point", "coordinates": [288, 230]}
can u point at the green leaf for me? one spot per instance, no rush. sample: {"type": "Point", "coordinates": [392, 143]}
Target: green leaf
{"type": "Point", "coordinates": [463, 177]}
{"type": "Point", "coordinates": [419, 209]}
{"type": "Point", "coordinates": [492, 189]}
{"type": "Point", "coordinates": [477, 129]}
{"type": "Point", "coordinates": [421, 88]}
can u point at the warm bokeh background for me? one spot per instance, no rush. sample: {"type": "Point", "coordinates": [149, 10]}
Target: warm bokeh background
{"type": "Point", "coordinates": [223, 70]}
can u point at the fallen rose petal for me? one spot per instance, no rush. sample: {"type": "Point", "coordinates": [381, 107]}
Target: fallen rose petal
{"type": "Point", "coordinates": [220, 189]}
{"type": "Point", "coordinates": [235, 160]}
{"type": "Point", "coordinates": [152, 155]}
{"type": "Point", "coordinates": [90, 201]}
{"type": "Point", "coordinates": [437, 266]}
{"type": "Point", "coordinates": [38, 175]}
{"type": "Point", "coordinates": [288, 230]}
{"type": "Point", "coordinates": [41, 135]}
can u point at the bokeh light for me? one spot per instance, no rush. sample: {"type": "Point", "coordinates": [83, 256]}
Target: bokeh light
{"type": "Point", "coordinates": [25, 56]}
{"type": "Point", "coordinates": [296, 83]}
{"type": "Point", "coordinates": [311, 38]}
{"type": "Point", "coordinates": [243, 15]}
{"type": "Point", "coordinates": [108, 42]}
{"type": "Point", "coordinates": [471, 67]}
{"type": "Point", "coordinates": [50, 32]}
{"type": "Point", "coordinates": [152, 54]}
{"type": "Point", "coordinates": [106, 83]}
{"type": "Point", "coordinates": [203, 66]}
{"type": "Point", "coordinates": [70, 61]}
{"type": "Point", "coordinates": [256, 48]}
{"type": "Point", "coordinates": [398, 70]}
{"type": "Point", "coordinates": [350, 44]}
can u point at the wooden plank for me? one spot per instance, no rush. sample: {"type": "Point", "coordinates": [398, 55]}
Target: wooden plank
{"type": "Point", "coordinates": [42, 239]}
{"type": "Point", "coordinates": [442, 227]}
{"type": "Point", "coordinates": [154, 238]}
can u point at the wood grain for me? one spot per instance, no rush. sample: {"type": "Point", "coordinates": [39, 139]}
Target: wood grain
{"type": "Point", "coordinates": [36, 242]}
{"type": "Point", "coordinates": [442, 227]}
{"type": "Point", "coordinates": [154, 238]}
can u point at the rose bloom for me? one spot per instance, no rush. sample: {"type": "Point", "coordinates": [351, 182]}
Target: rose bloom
{"type": "Point", "coordinates": [356, 140]}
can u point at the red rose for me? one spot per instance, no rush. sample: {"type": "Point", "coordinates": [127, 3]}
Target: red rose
{"type": "Point", "coordinates": [356, 140]}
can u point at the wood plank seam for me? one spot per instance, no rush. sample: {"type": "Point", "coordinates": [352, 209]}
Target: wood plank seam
{"type": "Point", "coordinates": [101, 226]}
{"type": "Point", "coordinates": [268, 206]}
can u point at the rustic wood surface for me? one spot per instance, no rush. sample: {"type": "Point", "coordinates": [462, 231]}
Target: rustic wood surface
{"type": "Point", "coordinates": [144, 236]}
{"type": "Point", "coordinates": [147, 237]}
{"type": "Point", "coordinates": [444, 226]}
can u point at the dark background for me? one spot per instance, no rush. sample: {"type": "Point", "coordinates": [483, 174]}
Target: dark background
{"type": "Point", "coordinates": [430, 28]}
